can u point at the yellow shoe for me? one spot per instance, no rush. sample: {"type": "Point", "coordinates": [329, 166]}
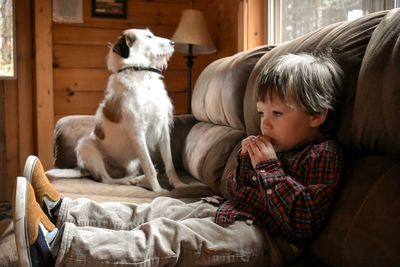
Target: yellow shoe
{"type": "Point", "coordinates": [45, 193]}
{"type": "Point", "coordinates": [34, 232]}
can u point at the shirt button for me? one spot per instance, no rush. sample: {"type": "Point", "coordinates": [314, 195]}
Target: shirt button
{"type": "Point", "coordinates": [268, 191]}
{"type": "Point", "coordinates": [254, 178]}
{"type": "Point", "coordinates": [249, 221]}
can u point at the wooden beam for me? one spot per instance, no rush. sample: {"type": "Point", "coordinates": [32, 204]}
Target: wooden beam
{"type": "Point", "coordinates": [25, 88]}
{"type": "Point", "coordinates": [44, 108]}
{"type": "Point", "coordinates": [3, 151]}
{"type": "Point", "coordinates": [251, 17]}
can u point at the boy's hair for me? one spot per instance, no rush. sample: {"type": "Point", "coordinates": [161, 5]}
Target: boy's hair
{"type": "Point", "coordinates": [310, 80]}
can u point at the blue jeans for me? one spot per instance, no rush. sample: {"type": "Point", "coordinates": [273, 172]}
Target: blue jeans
{"type": "Point", "coordinates": [165, 232]}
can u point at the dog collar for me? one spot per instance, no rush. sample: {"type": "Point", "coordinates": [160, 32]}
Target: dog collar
{"type": "Point", "coordinates": [137, 68]}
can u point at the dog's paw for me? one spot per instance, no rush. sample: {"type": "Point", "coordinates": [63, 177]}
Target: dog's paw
{"type": "Point", "coordinates": [162, 191]}
{"type": "Point", "coordinates": [179, 184]}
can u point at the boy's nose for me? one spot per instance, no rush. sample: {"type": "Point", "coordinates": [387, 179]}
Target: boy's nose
{"type": "Point", "coordinates": [265, 123]}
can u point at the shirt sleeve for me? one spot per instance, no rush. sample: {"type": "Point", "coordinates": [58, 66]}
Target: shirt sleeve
{"type": "Point", "coordinates": [301, 207]}
{"type": "Point", "coordinates": [239, 177]}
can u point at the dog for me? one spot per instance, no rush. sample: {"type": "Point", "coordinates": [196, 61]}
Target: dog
{"type": "Point", "coordinates": [134, 117]}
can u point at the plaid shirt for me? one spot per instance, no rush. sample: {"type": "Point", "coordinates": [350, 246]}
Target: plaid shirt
{"type": "Point", "coordinates": [290, 196]}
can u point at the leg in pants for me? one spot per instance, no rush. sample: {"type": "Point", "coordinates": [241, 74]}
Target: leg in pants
{"type": "Point", "coordinates": [166, 232]}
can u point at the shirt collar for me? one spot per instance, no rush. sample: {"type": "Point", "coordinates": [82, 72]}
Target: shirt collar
{"type": "Point", "coordinates": [311, 141]}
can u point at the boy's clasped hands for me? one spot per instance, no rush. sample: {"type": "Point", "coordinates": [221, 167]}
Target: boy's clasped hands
{"type": "Point", "coordinates": [259, 148]}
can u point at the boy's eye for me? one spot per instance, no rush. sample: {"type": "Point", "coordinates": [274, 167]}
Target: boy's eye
{"type": "Point", "coordinates": [261, 114]}
{"type": "Point", "coordinates": [277, 113]}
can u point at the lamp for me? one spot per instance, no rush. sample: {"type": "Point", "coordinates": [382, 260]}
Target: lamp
{"type": "Point", "coordinates": [192, 37]}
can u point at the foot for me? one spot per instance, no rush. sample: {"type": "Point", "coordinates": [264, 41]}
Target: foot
{"type": "Point", "coordinates": [46, 195]}
{"type": "Point", "coordinates": [34, 232]}
{"type": "Point", "coordinates": [142, 181]}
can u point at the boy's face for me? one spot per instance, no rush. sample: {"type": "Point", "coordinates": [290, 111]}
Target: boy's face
{"type": "Point", "coordinates": [287, 125]}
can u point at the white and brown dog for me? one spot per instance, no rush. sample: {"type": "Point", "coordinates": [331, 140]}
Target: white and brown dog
{"type": "Point", "coordinates": [134, 117]}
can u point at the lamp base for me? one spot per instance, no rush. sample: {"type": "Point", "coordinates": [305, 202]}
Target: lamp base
{"type": "Point", "coordinates": [189, 64]}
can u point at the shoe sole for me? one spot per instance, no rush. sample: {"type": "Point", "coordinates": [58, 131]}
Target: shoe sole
{"type": "Point", "coordinates": [20, 223]}
{"type": "Point", "coordinates": [29, 167]}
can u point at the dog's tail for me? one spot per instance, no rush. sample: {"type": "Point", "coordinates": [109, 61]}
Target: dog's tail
{"type": "Point", "coordinates": [67, 173]}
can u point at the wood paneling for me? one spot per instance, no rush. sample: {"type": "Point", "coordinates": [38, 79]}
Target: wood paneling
{"type": "Point", "coordinates": [44, 82]}
{"type": "Point", "coordinates": [14, 138]}
{"type": "Point", "coordinates": [18, 104]}
{"type": "Point", "coordinates": [94, 57]}
{"type": "Point", "coordinates": [60, 62]}
{"type": "Point", "coordinates": [79, 52]}
{"type": "Point", "coordinates": [78, 102]}
{"type": "Point", "coordinates": [255, 19]}
{"type": "Point", "coordinates": [74, 79]}
{"type": "Point", "coordinates": [222, 21]}
{"type": "Point", "coordinates": [3, 150]}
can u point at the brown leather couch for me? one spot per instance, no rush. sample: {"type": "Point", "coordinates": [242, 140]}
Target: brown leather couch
{"type": "Point", "coordinates": [364, 228]}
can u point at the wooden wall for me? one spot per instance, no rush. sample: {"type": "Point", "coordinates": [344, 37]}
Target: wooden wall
{"type": "Point", "coordinates": [79, 50]}
{"type": "Point", "coordinates": [18, 101]}
{"type": "Point", "coordinates": [78, 73]}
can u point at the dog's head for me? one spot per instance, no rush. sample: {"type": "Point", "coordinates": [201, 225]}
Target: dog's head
{"type": "Point", "coordinates": [137, 47]}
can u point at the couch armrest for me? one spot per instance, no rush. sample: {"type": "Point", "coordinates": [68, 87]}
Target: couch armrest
{"type": "Point", "coordinates": [67, 132]}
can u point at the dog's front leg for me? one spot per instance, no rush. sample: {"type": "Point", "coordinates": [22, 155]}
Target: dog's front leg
{"type": "Point", "coordinates": [150, 173]}
{"type": "Point", "coordinates": [166, 155]}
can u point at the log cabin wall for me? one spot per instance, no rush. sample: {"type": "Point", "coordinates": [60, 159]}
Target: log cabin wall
{"type": "Point", "coordinates": [79, 50]}
{"type": "Point", "coordinates": [79, 72]}
{"type": "Point", "coordinates": [18, 103]}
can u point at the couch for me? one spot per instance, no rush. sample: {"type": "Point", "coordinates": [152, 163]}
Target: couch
{"type": "Point", "coordinates": [363, 229]}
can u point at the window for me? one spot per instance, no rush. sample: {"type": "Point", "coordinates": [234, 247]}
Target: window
{"type": "Point", "coordinates": [288, 19]}
{"type": "Point", "coordinates": [7, 47]}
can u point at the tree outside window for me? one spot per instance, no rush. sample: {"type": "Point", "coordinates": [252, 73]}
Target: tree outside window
{"type": "Point", "coordinates": [7, 66]}
{"type": "Point", "coordinates": [288, 19]}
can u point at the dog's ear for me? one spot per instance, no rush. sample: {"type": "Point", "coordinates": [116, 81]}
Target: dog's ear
{"type": "Point", "coordinates": [130, 39]}
{"type": "Point", "coordinates": [122, 46]}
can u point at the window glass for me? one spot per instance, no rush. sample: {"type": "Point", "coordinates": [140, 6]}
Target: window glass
{"type": "Point", "coordinates": [288, 19]}
{"type": "Point", "coordinates": [7, 67]}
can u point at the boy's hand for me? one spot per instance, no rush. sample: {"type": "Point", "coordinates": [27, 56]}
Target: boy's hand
{"type": "Point", "coordinates": [246, 144]}
{"type": "Point", "coordinates": [260, 149]}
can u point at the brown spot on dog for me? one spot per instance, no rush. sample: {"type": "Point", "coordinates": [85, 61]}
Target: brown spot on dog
{"type": "Point", "coordinates": [112, 109]}
{"type": "Point", "coordinates": [99, 132]}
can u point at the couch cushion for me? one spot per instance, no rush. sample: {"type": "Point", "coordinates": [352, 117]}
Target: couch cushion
{"type": "Point", "coordinates": [219, 90]}
{"type": "Point", "coordinates": [101, 192]}
{"type": "Point", "coordinates": [377, 105]}
{"type": "Point", "coordinates": [218, 106]}
{"type": "Point", "coordinates": [366, 218]}
{"type": "Point", "coordinates": [67, 132]}
{"type": "Point", "coordinates": [207, 150]}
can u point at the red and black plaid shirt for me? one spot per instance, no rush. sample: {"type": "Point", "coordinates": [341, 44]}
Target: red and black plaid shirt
{"type": "Point", "coordinates": [290, 196]}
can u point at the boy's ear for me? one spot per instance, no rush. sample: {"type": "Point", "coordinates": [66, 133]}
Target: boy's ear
{"type": "Point", "coordinates": [318, 119]}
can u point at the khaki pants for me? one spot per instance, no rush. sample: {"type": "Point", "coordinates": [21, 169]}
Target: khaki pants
{"type": "Point", "coordinates": [165, 232]}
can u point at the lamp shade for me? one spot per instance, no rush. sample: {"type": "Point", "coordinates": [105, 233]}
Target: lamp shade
{"type": "Point", "coordinates": [192, 29]}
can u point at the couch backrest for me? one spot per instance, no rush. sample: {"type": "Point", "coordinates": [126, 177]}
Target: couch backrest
{"type": "Point", "coordinates": [223, 99]}
{"type": "Point", "coordinates": [376, 117]}
{"type": "Point", "coordinates": [217, 104]}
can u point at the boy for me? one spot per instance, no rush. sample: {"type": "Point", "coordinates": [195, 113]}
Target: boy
{"type": "Point", "coordinates": [281, 192]}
